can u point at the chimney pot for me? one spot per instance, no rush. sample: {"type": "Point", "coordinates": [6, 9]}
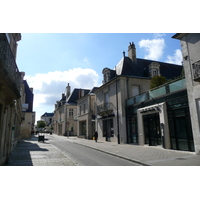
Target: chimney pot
{"type": "Point", "coordinates": [132, 52]}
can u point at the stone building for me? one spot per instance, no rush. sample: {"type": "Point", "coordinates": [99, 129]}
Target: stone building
{"type": "Point", "coordinates": [65, 122]}
{"type": "Point", "coordinates": [130, 77]}
{"type": "Point", "coordinates": [86, 115]}
{"type": "Point", "coordinates": [27, 124]}
{"type": "Point", "coordinates": [10, 103]}
{"type": "Point", "coordinates": [190, 44]}
{"type": "Point", "coordinates": [48, 119]}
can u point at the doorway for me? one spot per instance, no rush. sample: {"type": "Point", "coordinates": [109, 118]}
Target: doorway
{"type": "Point", "coordinates": [152, 130]}
{"type": "Point", "coordinates": [108, 130]}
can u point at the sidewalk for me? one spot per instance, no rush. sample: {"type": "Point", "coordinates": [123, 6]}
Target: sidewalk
{"type": "Point", "coordinates": [30, 152]}
{"type": "Point", "coordinates": [144, 155]}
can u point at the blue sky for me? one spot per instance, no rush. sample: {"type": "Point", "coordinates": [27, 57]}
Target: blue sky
{"type": "Point", "coordinates": [52, 60]}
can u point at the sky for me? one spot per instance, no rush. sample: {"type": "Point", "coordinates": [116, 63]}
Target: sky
{"type": "Point", "coordinates": [52, 60]}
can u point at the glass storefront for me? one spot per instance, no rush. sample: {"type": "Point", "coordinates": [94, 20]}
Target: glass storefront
{"type": "Point", "coordinates": [132, 132]}
{"type": "Point", "coordinates": [180, 130]}
{"type": "Point", "coordinates": [181, 136]}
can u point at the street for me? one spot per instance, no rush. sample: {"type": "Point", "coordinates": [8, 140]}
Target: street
{"type": "Point", "coordinates": [85, 156]}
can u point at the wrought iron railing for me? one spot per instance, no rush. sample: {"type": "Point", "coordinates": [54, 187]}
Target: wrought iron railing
{"type": "Point", "coordinates": [8, 66]}
{"type": "Point", "coordinates": [105, 107]}
{"type": "Point", "coordinates": [196, 70]}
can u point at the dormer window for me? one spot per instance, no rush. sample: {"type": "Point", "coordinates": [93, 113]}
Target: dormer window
{"type": "Point", "coordinates": [154, 69]}
{"type": "Point", "coordinates": [155, 72]}
{"type": "Point", "coordinates": [106, 75]}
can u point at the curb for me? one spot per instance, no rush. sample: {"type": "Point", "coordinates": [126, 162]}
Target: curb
{"type": "Point", "coordinates": [125, 158]}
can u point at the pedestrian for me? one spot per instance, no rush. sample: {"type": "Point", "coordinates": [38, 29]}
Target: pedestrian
{"type": "Point", "coordinates": [96, 136]}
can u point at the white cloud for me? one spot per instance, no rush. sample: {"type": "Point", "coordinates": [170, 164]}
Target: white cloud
{"type": "Point", "coordinates": [157, 35]}
{"type": "Point", "coordinates": [48, 87]}
{"type": "Point", "coordinates": [153, 48]}
{"type": "Point", "coordinates": [87, 62]}
{"type": "Point", "coordinates": [176, 58]}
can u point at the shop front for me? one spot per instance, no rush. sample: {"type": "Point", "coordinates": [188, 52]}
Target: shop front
{"type": "Point", "coordinates": [161, 122]}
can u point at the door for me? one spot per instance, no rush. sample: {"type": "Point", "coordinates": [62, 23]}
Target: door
{"type": "Point", "coordinates": [108, 131]}
{"type": "Point", "coordinates": [152, 129]}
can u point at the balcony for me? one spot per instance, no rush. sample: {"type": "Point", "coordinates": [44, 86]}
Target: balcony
{"type": "Point", "coordinates": [10, 77]}
{"type": "Point", "coordinates": [196, 71]}
{"type": "Point", "coordinates": [105, 109]}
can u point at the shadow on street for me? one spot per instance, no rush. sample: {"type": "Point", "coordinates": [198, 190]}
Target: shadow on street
{"type": "Point", "coordinates": [21, 156]}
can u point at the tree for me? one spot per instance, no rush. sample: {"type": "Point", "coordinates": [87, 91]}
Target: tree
{"type": "Point", "coordinates": [157, 81]}
{"type": "Point", "coordinates": [41, 124]}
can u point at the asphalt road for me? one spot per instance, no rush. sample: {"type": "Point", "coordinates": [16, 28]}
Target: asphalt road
{"type": "Point", "coordinates": [85, 156]}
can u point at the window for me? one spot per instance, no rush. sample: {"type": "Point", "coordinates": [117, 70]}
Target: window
{"type": "Point", "coordinates": [154, 69]}
{"type": "Point", "coordinates": [135, 90]}
{"type": "Point", "coordinates": [71, 113]}
{"type": "Point", "coordinates": [155, 72]}
{"type": "Point", "coordinates": [80, 110]}
{"type": "Point", "coordinates": [106, 97]}
{"type": "Point", "coordinates": [84, 108]}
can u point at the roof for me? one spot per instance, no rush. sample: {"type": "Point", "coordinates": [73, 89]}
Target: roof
{"type": "Point", "coordinates": [140, 69]}
{"type": "Point", "coordinates": [76, 94]}
{"type": "Point", "coordinates": [179, 35]}
{"type": "Point", "coordinates": [93, 89]}
{"type": "Point", "coordinates": [29, 96]}
{"type": "Point", "coordinates": [47, 114]}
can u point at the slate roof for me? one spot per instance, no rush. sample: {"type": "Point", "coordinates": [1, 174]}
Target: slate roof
{"type": "Point", "coordinates": [47, 114]}
{"type": "Point", "coordinates": [140, 69]}
{"type": "Point", "coordinates": [93, 89]}
{"type": "Point", "coordinates": [29, 96]}
{"type": "Point", "coordinates": [76, 95]}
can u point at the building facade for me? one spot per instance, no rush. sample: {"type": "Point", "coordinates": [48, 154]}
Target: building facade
{"type": "Point", "coordinates": [86, 115]}
{"type": "Point", "coordinates": [65, 113]}
{"type": "Point", "coordinates": [27, 96]}
{"type": "Point", "coordinates": [190, 45]}
{"type": "Point", "coordinates": [10, 103]}
{"type": "Point", "coordinates": [131, 76]}
{"type": "Point", "coordinates": [48, 119]}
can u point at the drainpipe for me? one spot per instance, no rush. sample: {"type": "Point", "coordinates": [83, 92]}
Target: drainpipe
{"type": "Point", "coordinates": [118, 134]}
{"type": "Point", "coordinates": [127, 87]}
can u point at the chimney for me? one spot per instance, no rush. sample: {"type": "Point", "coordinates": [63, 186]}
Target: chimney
{"type": "Point", "coordinates": [68, 91]}
{"type": "Point", "coordinates": [79, 93]}
{"type": "Point", "coordinates": [132, 52]}
{"type": "Point", "coordinates": [22, 76]}
{"type": "Point", "coordinates": [63, 95]}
